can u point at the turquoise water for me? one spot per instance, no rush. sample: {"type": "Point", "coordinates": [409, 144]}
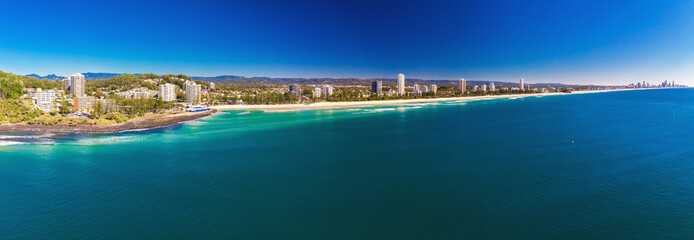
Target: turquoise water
{"type": "Point", "coordinates": [616, 165]}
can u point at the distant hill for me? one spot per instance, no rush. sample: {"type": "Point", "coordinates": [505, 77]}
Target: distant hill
{"type": "Point", "coordinates": [240, 80]}
{"type": "Point", "coordinates": [98, 76]}
{"type": "Point", "coordinates": [267, 81]}
{"type": "Point", "coordinates": [49, 77]}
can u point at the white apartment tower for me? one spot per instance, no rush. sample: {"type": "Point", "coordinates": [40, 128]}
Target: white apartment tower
{"type": "Point", "coordinates": [401, 84]}
{"type": "Point", "coordinates": [463, 85]}
{"type": "Point", "coordinates": [77, 84]}
{"type": "Point", "coordinates": [327, 91]}
{"type": "Point", "coordinates": [522, 84]}
{"type": "Point", "coordinates": [167, 92]}
{"type": "Point", "coordinates": [192, 94]}
{"type": "Point", "coordinates": [492, 87]}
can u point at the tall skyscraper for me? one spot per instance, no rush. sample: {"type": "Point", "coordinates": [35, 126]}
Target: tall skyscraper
{"type": "Point", "coordinates": [434, 88]}
{"type": "Point", "coordinates": [484, 88]}
{"type": "Point", "coordinates": [192, 94]}
{"type": "Point", "coordinates": [77, 84]}
{"type": "Point", "coordinates": [377, 87]}
{"type": "Point", "coordinates": [401, 84]}
{"type": "Point", "coordinates": [211, 86]}
{"type": "Point", "coordinates": [463, 86]}
{"type": "Point", "coordinates": [522, 84]}
{"type": "Point", "coordinates": [492, 87]}
{"type": "Point", "coordinates": [167, 92]}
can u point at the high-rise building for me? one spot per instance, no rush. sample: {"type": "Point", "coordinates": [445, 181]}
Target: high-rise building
{"type": "Point", "coordinates": [77, 84]}
{"type": "Point", "coordinates": [167, 92]}
{"type": "Point", "coordinates": [211, 86]}
{"type": "Point", "coordinates": [391, 92]}
{"type": "Point", "coordinates": [474, 88]}
{"type": "Point", "coordinates": [416, 90]}
{"type": "Point", "coordinates": [522, 84]}
{"type": "Point", "coordinates": [492, 87]}
{"type": "Point", "coordinates": [484, 88]}
{"type": "Point", "coordinates": [327, 91]}
{"type": "Point", "coordinates": [434, 88]}
{"type": "Point", "coordinates": [401, 84]}
{"type": "Point", "coordinates": [463, 86]}
{"type": "Point", "coordinates": [193, 94]}
{"type": "Point", "coordinates": [377, 87]}
{"type": "Point", "coordinates": [294, 89]}
{"type": "Point", "coordinates": [317, 92]}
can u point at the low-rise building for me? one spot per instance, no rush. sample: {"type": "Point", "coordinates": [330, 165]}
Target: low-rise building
{"type": "Point", "coordinates": [84, 103]}
{"type": "Point", "coordinates": [137, 93]}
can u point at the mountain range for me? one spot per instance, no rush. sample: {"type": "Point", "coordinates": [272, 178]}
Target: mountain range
{"type": "Point", "coordinates": [241, 80]}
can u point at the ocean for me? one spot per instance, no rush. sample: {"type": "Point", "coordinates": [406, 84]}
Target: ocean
{"type": "Point", "coordinates": [614, 165]}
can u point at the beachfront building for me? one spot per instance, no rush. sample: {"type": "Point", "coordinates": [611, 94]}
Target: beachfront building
{"type": "Point", "coordinates": [416, 91]}
{"type": "Point", "coordinates": [192, 93]}
{"type": "Point", "coordinates": [484, 88]}
{"type": "Point", "coordinates": [294, 89]}
{"type": "Point", "coordinates": [401, 84]}
{"type": "Point", "coordinates": [84, 103]}
{"type": "Point", "coordinates": [463, 85]}
{"type": "Point", "coordinates": [474, 88]}
{"type": "Point", "coordinates": [391, 92]}
{"type": "Point", "coordinates": [137, 93]}
{"type": "Point", "coordinates": [167, 92]}
{"type": "Point", "coordinates": [327, 91]}
{"type": "Point", "coordinates": [76, 84]}
{"type": "Point", "coordinates": [434, 88]}
{"type": "Point", "coordinates": [492, 87]}
{"type": "Point", "coordinates": [522, 84]}
{"type": "Point", "coordinates": [43, 99]}
{"type": "Point", "coordinates": [377, 87]}
{"type": "Point", "coordinates": [317, 92]}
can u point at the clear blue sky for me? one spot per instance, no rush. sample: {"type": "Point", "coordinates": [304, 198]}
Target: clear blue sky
{"type": "Point", "coordinates": [604, 42]}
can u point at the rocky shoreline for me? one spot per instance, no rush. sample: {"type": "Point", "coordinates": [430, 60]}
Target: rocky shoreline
{"type": "Point", "coordinates": [140, 123]}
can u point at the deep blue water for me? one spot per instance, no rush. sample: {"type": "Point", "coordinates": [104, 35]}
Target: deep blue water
{"type": "Point", "coordinates": [616, 165]}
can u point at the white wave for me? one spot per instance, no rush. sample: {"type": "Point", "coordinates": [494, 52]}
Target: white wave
{"type": "Point", "coordinates": [108, 140]}
{"type": "Point", "coordinates": [407, 108]}
{"type": "Point", "coordinates": [8, 143]}
{"type": "Point", "coordinates": [382, 109]}
{"type": "Point", "coordinates": [243, 113]}
{"type": "Point", "coordinates": [25, 136]}
{"type": "Point", "coordinates": [277, 111]}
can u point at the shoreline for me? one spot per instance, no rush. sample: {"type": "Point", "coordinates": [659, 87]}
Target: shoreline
{"type": "Point", "coordinates": [325, 105]}
{"type": "Point", "coordinates": [145, 123]}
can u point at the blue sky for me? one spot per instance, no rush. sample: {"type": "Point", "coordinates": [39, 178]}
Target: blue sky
{"type": "Point", "coordinates": [604, 42]}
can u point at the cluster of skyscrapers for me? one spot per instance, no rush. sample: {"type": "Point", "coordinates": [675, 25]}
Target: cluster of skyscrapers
{"type": "Point", "coordinates": [645, 84]}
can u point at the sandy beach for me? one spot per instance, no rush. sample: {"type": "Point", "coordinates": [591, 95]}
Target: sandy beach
{"type": "Point", "coordinates": [321, 105]}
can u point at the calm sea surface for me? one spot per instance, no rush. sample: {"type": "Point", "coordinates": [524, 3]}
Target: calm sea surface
{"type": "Point", "coordinates": [616, 165]}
